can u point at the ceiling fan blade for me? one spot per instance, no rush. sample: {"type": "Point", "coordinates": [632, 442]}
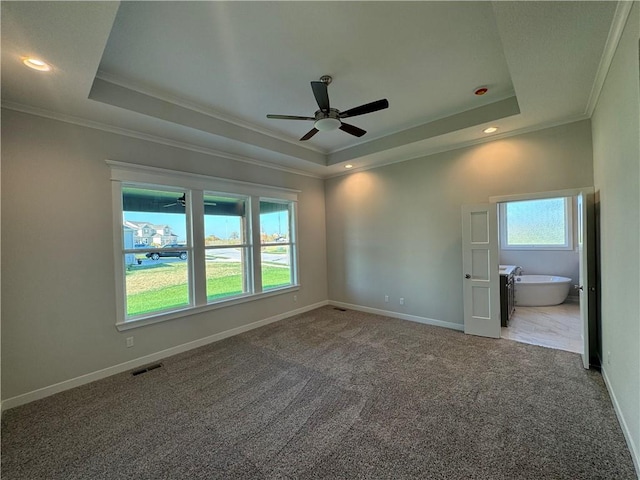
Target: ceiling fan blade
{"type": "Point", "coordinates": [180, 201]}
{"type": "Point", "coordinates": [366, 108]}
{"type": "Point", "coordinates": [309, 134]}
{"type": "Point", "coordinates": [353, 130]}
{"type": "Point", "coordinates": [289, 117]}
{"type": "Point", "coordinates": [321, 94]}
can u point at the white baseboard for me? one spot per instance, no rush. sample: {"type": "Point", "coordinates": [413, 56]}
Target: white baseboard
{"type": "Point", "coordinates": [154, 357]}
{"type": "Point", "coordinates": [635, 454]}
{"type": "Point", "coordinates": [402, 316]}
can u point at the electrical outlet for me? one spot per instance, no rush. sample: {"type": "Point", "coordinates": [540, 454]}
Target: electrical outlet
{"type": "Point", "coordinates": [295, 298]}
{"type": "Point", "coordinates": [129, 342]}
{"type": "Point", "coordinates": [386, 299]}
{"type": "Point", "coordinates": [401, 300]}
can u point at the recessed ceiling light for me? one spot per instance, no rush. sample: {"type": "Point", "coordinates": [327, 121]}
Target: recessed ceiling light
{"type": "Point", "coordinates": [490, 130]}
{"type": "Point", "coordinates": [36, 64]}
{"type": "Point", "coordinates": [479, 91]}
{"type": "Point", "coordinates": [348, 166]}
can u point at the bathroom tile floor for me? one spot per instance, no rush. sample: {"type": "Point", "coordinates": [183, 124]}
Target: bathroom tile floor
{"type": "Point", "coordinates": [558, 327]}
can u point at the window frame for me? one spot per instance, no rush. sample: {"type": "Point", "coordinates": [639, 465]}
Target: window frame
{"type": "Point", "coordinates": [149, 248]}
{"type": "Point", "coordinates": [246, 246]}
{"type": "Point", "coordinates": [196, 186]}
{"type": "Point", "coordinates": [568, 228]}
{"type": "Point", "coordinates": [292, 243]}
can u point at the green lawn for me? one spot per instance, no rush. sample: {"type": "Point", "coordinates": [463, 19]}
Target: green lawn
{"type": "Point", "coordinates": [164, 286]}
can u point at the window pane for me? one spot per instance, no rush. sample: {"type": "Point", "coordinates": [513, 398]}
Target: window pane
{"type": "Point", "coordinates": [155, 285]}
{"type": "Point", "coordinates": [276, 266]}
{"type": "Point", "coordinates": [274, 222]}
{"type": "Point", "coordinates": [225, 226]}
{"type": "Point", "coordinates": [224, 220]}
{"type": "Point", "coordinates": [536, 222]}
{"type": "Point", "coordinates": [154, 280]}
{"type": "Point", "coordinates": [226, 275]}
{"type": "Point", "coordinates": [153, 218]}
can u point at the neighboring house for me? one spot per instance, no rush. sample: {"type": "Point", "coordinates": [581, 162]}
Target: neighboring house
{"type": "Point", "coordinates": [128, 233]}
{"type": "Point", "coordinates": [150, 234]}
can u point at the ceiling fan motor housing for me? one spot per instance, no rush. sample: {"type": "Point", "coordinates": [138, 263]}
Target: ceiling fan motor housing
{"type": "Point", "coordinates": [327, 121]}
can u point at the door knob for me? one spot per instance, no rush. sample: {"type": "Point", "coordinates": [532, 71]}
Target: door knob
{"type": "Point", "coordinates": [467, 276]}
{"type": "Point", "coordinates": [578, 287]}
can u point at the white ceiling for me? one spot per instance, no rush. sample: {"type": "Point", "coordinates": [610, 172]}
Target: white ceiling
{"type": "Point", "coordinates": [205, 74]}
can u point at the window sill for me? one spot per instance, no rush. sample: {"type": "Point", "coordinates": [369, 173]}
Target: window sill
{"type": "Point", "coordinates": [174, 314]}
{"type": "Point", "coordinates": [533, 248]}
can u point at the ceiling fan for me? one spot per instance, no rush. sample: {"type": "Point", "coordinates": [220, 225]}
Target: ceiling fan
{"type": "Point", "coordinates": [327, 118]}
{"type": "Point", "coordinates": [183, 200]}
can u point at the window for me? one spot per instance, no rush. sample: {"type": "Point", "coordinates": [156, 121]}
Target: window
{"type": "Point", "coordinates": [152, 285]}
{"type": "Point", "coordinates": [277, 246]}
{"type": "Point", "coordinates": [536, 224]}
{"type": "Point", "coordinates": [188, 243]}
{"type": "Point", "coordinates": [227, 246]}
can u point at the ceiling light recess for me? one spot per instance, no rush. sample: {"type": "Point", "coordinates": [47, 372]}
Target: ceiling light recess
{"type": "Point", "coordinates": [348, 166]}
{"type": "Point", "coordinates": [36, 64]}
{"type": "Point", "coordinates": [490, 129]}
{"type": "Point", "coordinates": [479, 91]}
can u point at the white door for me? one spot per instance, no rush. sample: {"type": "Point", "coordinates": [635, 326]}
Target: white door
{"type": "Point", "coordinates": [480, 270]}
{"type": "Point", "coordinates": [586, 290]}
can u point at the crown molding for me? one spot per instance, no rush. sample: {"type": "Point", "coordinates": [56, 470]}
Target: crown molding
{"type": "Point", "coordinates": [620, 17]}
{"type": "Point", "coordinates": [40, 112]}
{"type": "Point", "coordinates": [210, 112]}
{"type": "Point", "coordinates": [469, 143]}
{"type": "Point", "coordinates": [442, 116]}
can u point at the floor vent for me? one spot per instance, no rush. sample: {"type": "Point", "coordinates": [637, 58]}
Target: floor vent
{"type": "Point", "coordinates": [146, 369]}
{"type": "Point", "coordinates": [341, 309]}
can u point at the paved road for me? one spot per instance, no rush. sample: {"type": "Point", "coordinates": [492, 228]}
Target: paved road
{"type": "Point", "coordinates": [226, 255]}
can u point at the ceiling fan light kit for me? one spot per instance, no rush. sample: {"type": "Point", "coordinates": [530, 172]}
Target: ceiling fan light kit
{"type": "Point", "coordinates": [326, 118]}
{"type": "Point", "coordinates": [329, 122]}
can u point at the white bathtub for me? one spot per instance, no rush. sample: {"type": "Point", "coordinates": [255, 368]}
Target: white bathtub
{"type": "Point", "coordinates": [541, 290]}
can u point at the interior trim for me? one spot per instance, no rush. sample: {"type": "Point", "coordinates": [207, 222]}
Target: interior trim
{"type": "Point", "coordinates": [107, 77]}
{"type": "Point", "coordinates": [82, 122]}
{"type": "Point", "coordinates": [133, 172]}
{"type": "Point", "coordinates": [470, 143]}
{"type": "Point", "coordinates": [131, 100]}
{"type": "Point", "coordinates": [613, 38]}
{"type": "Point", "coordinates": [401, 316]}
{"type": "Point", "coordinates": [569, 192]}
{"type": "Point", "coordinates": [151, 358]}
{"type": "Point", "coordinates": [635, 454]}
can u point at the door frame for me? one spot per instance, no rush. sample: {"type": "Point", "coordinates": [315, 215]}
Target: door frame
{"type": "Point", "coordinates": [589, 326]}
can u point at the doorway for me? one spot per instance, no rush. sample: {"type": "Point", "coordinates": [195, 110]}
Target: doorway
{"type": "Point", "coordinates": [583, 241]}
{"type": "Point", "coordinates": [539, 251]}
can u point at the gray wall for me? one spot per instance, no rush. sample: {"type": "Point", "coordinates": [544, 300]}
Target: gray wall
{"type": "Point", "coordinates": [616, 151]}
{"type": "Point", "coordinates": [58, 285]}
{"type": "Point", "coordinates": [396, 230]}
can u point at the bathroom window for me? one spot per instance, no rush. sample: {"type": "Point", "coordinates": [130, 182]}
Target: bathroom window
{"type": "Point", "coordinates": [544, 224]}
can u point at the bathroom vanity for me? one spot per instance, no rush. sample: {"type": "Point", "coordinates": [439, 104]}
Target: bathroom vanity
{"type": "Point", "coordinates": [507, 293]}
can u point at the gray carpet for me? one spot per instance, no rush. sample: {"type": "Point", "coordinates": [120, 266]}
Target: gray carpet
{"type": "Point", "coordinates": [330, 394]}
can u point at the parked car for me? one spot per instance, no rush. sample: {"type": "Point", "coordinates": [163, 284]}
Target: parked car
{"type": "Point", "coordinates": [174, 253]}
